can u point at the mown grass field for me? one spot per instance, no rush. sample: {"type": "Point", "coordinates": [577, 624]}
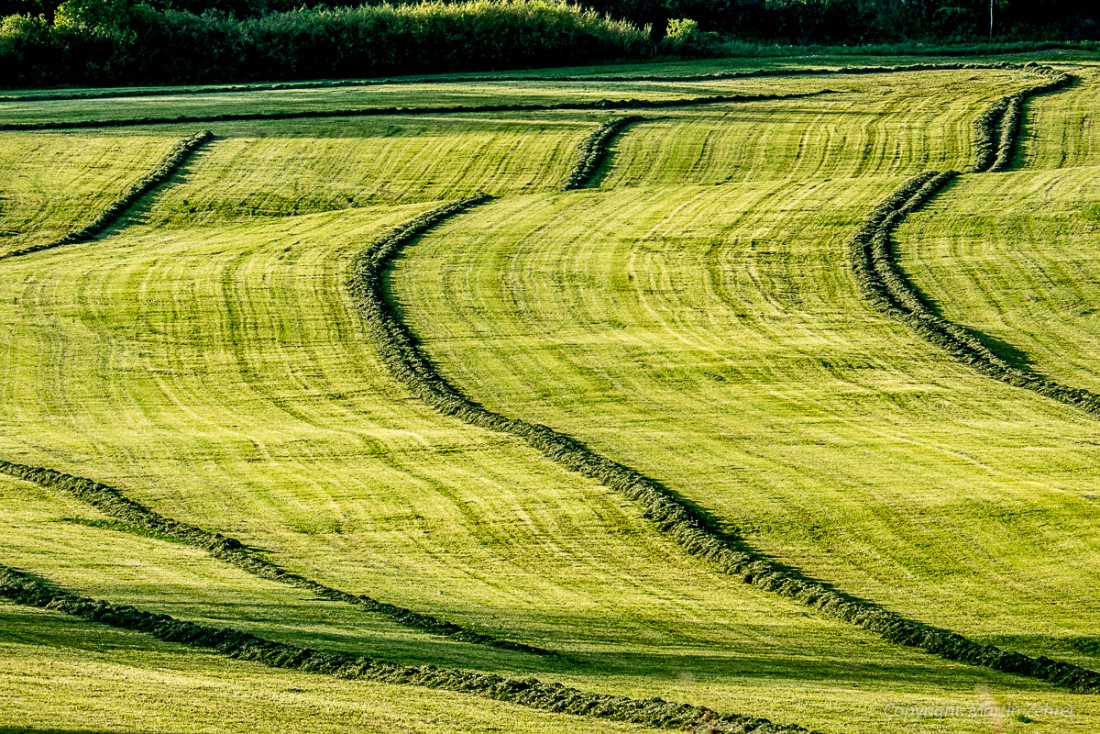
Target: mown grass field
{"type": "Point", "coordinates": [691, 314]}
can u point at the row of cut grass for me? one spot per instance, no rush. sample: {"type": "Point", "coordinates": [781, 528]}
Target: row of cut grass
{"type": "Point", "coordinates": [68, 542]}
{"type": "Point", "coordinates": [675, 72]}
{"type": "Point", "coordinates": [1013, 256]}
{"type": "Point", "coordinates": [64, 674]}
{"type": "Point", "coordinates": [714, 340]}
{"type": "Point", "coordinates": [112, 301]}
{"type": "Point", "coordinates": [695, 531]}
{"type": "Point", "coordinates": [51, 186]}
{"type": "Point", "coordinates": [32, 591]}
{"type": "Point", "coordinates": [899, 125]}
{"type": "Point", "coordinates": [157, 176]}
{"type": "Point", "coordinates": [128, 516]}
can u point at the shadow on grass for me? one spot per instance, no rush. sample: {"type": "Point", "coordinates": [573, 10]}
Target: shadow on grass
{"type": "Point", "coordinates": [707, 662]}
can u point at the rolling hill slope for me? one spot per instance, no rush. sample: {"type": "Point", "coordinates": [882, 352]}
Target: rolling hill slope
{"type": "Point", "coordinates": [693, 317]}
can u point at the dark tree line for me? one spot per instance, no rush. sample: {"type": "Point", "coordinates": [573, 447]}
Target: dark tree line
{"type": "Point", "coordinates": [97, 42]}
{"type": "Point", "coordinates": [870, 21]}
{"type": "Point", "coordinates": [795, 21]}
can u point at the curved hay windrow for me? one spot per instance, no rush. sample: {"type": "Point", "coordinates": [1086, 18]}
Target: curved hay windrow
{"type": "Point", "coordinates": [112, 502]}
{"type": "Point", "coordinates": [176, 158]}
{"type": "Point", "coordinates": [592, 153]}
{"type": "Point", "coordinates": [998, 129]}
{"type": "Point", "coordinates": [26, 590]}
{"type": "Point", "coordinates": [688, 526]}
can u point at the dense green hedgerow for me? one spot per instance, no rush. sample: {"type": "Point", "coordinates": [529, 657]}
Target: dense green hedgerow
{"type": "Point", "coordinates": [170, 46]}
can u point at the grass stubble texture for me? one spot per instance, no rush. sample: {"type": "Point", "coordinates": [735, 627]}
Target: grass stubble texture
{"type": "Point", "coordinates": [24, 589]}
{"type": "Point", "coordinates": [889, 289]}
{"type": "Point", "coordinates": [110, 501]}
{"type": "Point", "coordinates": [599, 104]}
{"type": "Point", "coordinates": [593, 152]}
{"type": "Point", "coordinates": [694, 531]}
{"type": "Point", "coordinates": [503, 217]}
{"type": "Point", "coordinates": [570, 94]}
{"type": "Point", "coordinates": [690, 528]}
{"type": "Point", "coordinates": [132, 516]}
{"type": "Point", "coordinates": [113, 503]}
{"type": "Point", "coordinates": [176, 159]}
{"type": "Point", "coordinates": [135, 515]}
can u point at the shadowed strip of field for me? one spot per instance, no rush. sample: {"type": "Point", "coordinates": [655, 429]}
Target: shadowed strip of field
{"type": "Point", "coordinates": [593, 79]}
{"type": "Point", "coordinates": [602, 104]}
{"type": "Point", "coordinates": [27, 590]}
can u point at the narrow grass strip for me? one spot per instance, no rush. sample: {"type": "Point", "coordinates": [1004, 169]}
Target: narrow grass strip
{"type": "Point", "coordinates": [998, 128]}
{"type": "Point", "coordinates": [599, 104]}
{"type": "Point", "coordinates": [690, 527]}
{"type": "Point", "coordinates": [24, 589]}
{"type": "Point", "coordinates": [113, 503]}
{"type": "Point", "coordinates": [592, 152]}
{"type": "Point", "coordinates": [791, 72]}
{"type": "Point", "coordinates": [122, 93]}
{"type": "Point", "coordinates": [176, 158]}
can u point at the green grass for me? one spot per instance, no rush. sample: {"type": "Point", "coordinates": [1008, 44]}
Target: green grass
{"type": "Point", "coordinates": [1063, 130]}
{"type": "Point", "coordinates": [714, 339]}
{"type": "Point", "coordinates": [207, 359]}
{"type": "Point", "coordinates": [471, 94]}
{"type": "Point", "coordinates": [60, 674]}
{"type": "Point", "coordinates": [109, 563]}
{"type": "Point", "coordinates": [51, 186]}
{"type": "Point", "coordinates": [895, 124]}
{"type": "Point", "coordinates": [217, 422]}
{"type": "Point", "coordinates": [390, 162]}
{"type": "Point", "coordinates": [1013, 256]}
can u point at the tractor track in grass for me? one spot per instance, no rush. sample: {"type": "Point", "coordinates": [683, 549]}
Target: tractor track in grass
{"type": "Point", "coordinates": [600, 104]}
{"type": "Point", "coordinates": [686, 524]}
{"type": "Point", "coordinates": [27, 590]}
{"type": "Point", "coordinates": [169, 166]}
{"type": "Point", "coordinates": [113, 503]}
